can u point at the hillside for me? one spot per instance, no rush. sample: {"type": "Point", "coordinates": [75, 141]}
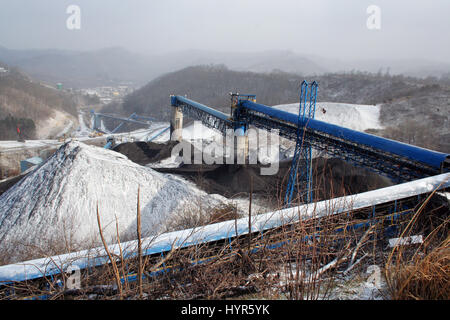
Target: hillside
{"type": "Point", "coordinates": [31, 106]}
{"type": "Point", "coordinates": [208, 84]}
{"type": "Point", "coordinates": [412, 110]}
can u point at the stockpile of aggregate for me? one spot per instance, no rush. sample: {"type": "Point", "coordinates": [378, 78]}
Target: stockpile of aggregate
{"type": "Point", "coordinates": [56, 203]}
{"type": "Point", "coordinates": [143, 153]}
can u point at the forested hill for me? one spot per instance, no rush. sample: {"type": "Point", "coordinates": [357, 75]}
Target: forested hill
{"type": "Point", "coordinates": [24, 102]}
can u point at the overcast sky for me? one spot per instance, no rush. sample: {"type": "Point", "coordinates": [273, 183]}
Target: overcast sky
{"type": "Point", "coordinates": [417, 29]}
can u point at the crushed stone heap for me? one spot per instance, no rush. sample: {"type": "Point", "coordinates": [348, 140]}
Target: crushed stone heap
{"type": "Point", "coordinates": [56, 203]}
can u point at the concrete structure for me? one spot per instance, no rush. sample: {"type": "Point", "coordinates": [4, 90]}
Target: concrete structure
{"type": "Point", "coordinates": [176, 125]}
{"type": "Point", "coordinates": [241, 145]}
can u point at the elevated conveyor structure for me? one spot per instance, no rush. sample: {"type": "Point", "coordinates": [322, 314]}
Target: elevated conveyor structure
{"type": "Point", "coordinates": [210, 117]}
{"type": "Point", "coordinates": [399, 161]}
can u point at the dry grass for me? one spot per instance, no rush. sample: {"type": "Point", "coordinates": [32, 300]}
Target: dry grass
{"type": "Point", "coordinates": [422, 272]}
{"type": "Point", "coordinates": [195, 216]}
{"type": "Point", "coordinates": [425, 277]}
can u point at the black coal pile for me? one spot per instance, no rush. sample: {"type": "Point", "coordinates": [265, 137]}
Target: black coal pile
{"type": "Point", "coordinates": [145, 152]}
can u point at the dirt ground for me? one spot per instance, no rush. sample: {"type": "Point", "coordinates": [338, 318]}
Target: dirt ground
{"type": "Point", "coordinates": [145, 152]}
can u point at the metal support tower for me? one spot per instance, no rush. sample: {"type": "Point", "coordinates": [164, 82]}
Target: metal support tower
{"type": "Point", "coordinates": [236, 98]}
{"type": "Point", "coordinates": [300, 173]}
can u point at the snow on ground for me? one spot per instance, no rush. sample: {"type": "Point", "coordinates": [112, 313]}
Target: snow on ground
{"type": "Point", "coordinates": [353, 116]}
{"type": "Point", "coordinates": [242, 205]}
{"type": "Point", "coordinates": [57, 201]}
{"type": "Point", "coordinates": [154, 129]}
{"type": "Point", "coordinates": [58, 124]}
{"type": "Point", "coordinates": [171, 162]}
{"type": "Point", "coordinates": [196, 131]}
{"type": "Point", "coordinates": [445, 195]}
{"type": "Point", "coordinates": [15, 146]}
{"type": "Point", "coordinates": [83, 130]}
{"type": "Point", "coordinates": [66, 130]}
{"type": "Point", "coordinates": [83, 135]}
{"type": "Point", "coordinates": [368, 285]}
{"type": "Point", "coordinates": [160, 136]}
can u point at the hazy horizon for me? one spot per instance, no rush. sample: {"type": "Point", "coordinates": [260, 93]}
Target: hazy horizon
{"type": "Point", "coordinates": [409, 30]}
